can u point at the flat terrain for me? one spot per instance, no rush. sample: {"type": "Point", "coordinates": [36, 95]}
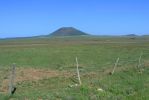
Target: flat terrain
{"type": "Point", "coordinates": [46, 68]}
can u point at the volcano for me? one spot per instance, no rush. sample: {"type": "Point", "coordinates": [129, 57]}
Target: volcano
{"type": "Point", "coordinates": [68, 31]}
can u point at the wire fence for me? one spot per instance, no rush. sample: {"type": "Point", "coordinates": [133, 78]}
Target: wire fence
{"type": "Point", "coordinates": [5, 72]}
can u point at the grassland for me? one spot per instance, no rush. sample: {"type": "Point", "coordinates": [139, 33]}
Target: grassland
{"type": "Point", "coordinates": [46, 68]}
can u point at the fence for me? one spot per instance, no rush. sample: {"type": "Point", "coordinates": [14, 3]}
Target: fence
{"type": "Point", "coordinates": [9, 75]}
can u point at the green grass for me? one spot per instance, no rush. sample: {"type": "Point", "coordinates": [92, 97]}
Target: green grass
{"type": "Point", "coordinates": [96, 56]}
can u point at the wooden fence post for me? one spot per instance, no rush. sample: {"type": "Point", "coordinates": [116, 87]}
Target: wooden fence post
{"type": "Point", "coordinates": [115, 65]}
{"type": "Point", "coordinates": [139, 64]}
{"type": "Point", "coordinates": [12, 78]}
{"type": "Point", "coordinates": [78, 71]}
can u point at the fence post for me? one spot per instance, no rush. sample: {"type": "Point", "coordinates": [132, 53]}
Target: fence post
{"type": "Point", "coordinates": [78, 71]}
{"type": "Point", "coordinates": [139, 64]}
{"type": "Point", "coordinates": [115, 65]}
{"type": "Point", "coordinates": [12, 78]}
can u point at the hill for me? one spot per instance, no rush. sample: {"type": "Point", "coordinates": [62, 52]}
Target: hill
{"type": "Point", "coordinates": [133, 35]}
{"type": "Point", "coordinates": [68, 31]}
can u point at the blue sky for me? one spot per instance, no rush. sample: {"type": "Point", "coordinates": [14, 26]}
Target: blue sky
{"type": "Point", "coordinates": [19, 18]}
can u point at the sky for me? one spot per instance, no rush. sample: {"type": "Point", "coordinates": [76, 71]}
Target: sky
{"type": "Point", "coordinates": [22, 18]}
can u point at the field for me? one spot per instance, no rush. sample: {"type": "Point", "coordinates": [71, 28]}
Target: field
{"type": "Point", "coordinates": [46, 68]}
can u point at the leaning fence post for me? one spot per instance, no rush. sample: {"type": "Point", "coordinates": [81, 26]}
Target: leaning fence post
{"type": "Point", "coordinates": [78, 71]}
{"type": "Point", "coordinates": [115, 65]}
{"type": "Point", "coordinates": [12, 78]}
{"type": "Point", "coordinates": [139, 64]}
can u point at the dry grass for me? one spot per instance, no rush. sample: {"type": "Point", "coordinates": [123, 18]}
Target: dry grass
{"type": "Point", "coordinates": [32, 74]}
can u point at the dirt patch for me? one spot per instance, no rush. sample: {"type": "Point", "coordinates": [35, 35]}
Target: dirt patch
{"type": "Point", "coordinates": [146, 63]}
{"type": "Point", "coordinates": [31, 74]}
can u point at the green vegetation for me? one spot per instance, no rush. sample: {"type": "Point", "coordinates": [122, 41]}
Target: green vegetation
{"type": "Point", "coordinates": [96, 56]}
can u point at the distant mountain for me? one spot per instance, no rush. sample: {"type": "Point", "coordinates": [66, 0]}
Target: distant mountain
{"type": "Point", "coordinates": [68, 31]}
{"type": "Point", "coordinates": [131, 35]}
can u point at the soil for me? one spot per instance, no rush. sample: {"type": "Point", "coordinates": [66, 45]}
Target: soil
{"type": "Point", "coordinates": [31, 74]}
